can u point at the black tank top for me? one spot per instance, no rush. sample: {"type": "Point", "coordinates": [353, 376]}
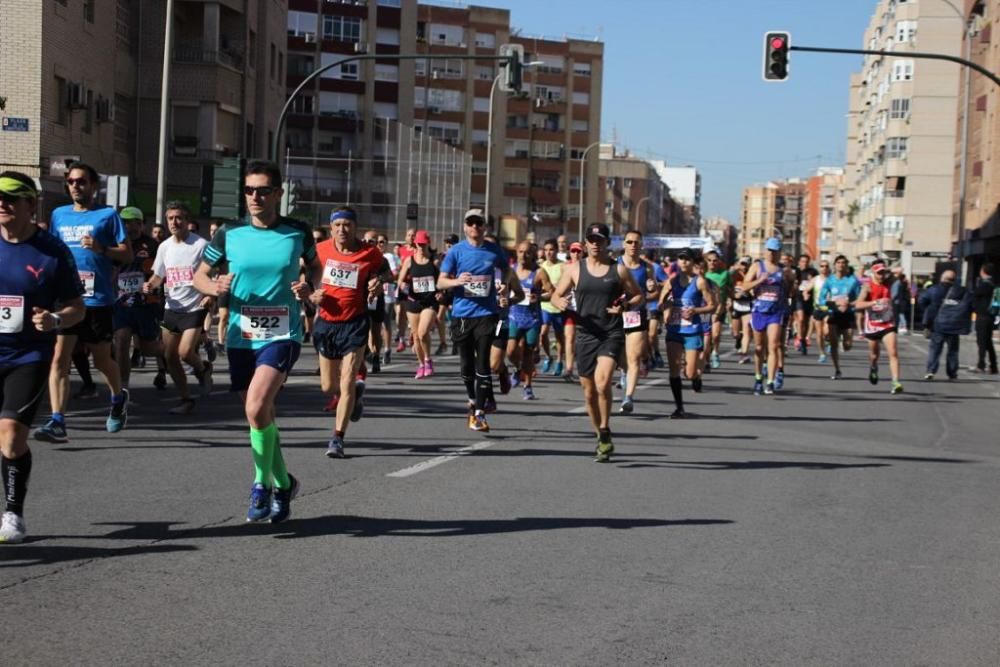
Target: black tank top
{"type": "Point", "coordinates": [423, 282]}
{"type": "Point", "coordinates": [594, 295]}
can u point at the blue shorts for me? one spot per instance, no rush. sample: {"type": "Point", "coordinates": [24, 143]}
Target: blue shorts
{"type": "Point", "coordinates": [529, 332]}
{"type": "Point", "coordinates": [336, 340]}
{"type": "Point", "coordinates": [694, 341]}
{"type": "Point", "coordinates": [555, 320]}
{"type": "Point", "coordinates": [143, 320]}
{"type": "Point", "coordinates": [243, 362]}
{"type": "Point", "coordinates": [761, 321]}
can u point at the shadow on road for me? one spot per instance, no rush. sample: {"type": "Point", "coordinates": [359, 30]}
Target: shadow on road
{"type": "Point", "coordinates": [755, 465]}
{"type": "Point", "coordinates": [28, 554]}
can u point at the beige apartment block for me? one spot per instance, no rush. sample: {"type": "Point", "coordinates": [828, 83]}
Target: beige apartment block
{"type": "Point", "coordinates": [820, 239]}
{"type": "Point", "coordinates": [901, 134]}
{"type": "Point", "coordinates": [773, 209]}
{"type": "Point", "coordinates": [982, 165]}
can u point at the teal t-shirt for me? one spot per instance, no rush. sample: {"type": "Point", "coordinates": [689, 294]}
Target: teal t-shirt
{"type": "Point", "coordinates": [265, 263]}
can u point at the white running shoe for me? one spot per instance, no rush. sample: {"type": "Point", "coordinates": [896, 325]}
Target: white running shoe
{"type": "Point", "coordinates": [12, 529]}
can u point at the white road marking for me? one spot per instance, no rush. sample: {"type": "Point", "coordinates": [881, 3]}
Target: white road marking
{"type": "Point", "coordinates": [438, 460]}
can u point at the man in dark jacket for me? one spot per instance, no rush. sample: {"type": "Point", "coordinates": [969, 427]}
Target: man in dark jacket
{"type": "Point", "coordinates": [982, 300]}
{"type": "Point", "coordinates": [948, 315]}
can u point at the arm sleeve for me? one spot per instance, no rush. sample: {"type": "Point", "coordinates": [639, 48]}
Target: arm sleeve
{"type": "Point", "coordinates": [215, 253]}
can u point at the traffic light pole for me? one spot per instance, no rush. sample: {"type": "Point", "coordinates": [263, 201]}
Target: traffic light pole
{"type": "Point", "coordinates": [376, 56]}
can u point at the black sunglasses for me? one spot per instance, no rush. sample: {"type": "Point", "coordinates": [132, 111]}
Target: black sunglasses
{"type": "Point", "coordinates": [632, 242]}
{"type": "Point", "coordinates": [8, 199]}
{"type": "Point", "coordinates": [475, 222]}
{"type": "Point", "coordinates": [77, 181]}
{"type": "Point", "coordinates": [263, 190]}
{"type": "Point", "coordinates": [371, 241]}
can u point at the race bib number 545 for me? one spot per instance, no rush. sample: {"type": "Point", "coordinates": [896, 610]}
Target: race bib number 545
{"type": "Point", "coordinates": [264, 322]}
{"type": "Point", "coordinates": [478, 286]}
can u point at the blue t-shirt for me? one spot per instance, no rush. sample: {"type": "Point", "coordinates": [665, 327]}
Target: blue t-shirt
{"type": "Point", "coordinates": [96, 270]}
{"type": "Point", "coordinates": [38, 272]}
{"type": "Point", "coordinates": [265, 262]}
{"type": "Point", "coordinates": [835, 288]}
{"type": "Point", "coordinates": [479, 297]}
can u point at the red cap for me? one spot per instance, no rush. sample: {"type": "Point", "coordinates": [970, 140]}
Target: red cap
{"type": "Point", "coordinates": [877, 267]}
{"type": "Point", "coordinates": [575, 245]}
{"type": "Point", "coordinates": [422, 238]}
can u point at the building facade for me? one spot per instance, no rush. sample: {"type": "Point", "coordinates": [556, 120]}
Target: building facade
{"type": "Point", "coordinates": [724, 235]}
{"type": "Point", "coordinates": [822, 212]}
{"type": "Point", "coordinates": [684, 184]}
{"type": "Point", "coordinates": [633, 193]}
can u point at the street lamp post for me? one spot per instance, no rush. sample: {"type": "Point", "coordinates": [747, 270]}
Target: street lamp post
{"type": "Point", "coordinates": [637, 223]}
{"type": "Point", "coordinates": [583, 163]}
{"type": "Point", "coordinates": [489, 147]}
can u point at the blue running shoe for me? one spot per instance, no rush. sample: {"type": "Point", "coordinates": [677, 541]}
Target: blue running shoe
{"type": "Point", "coordinates": [335, 448]}
{"type": "Point", "coordinates": [758, 387]}
{"type": "Point", "coordinates": [546, 365]}
{"type": "Point", "coordinates": [528, 394]}
{"type": "Point", "coordinates": [627, 406]}
{"type": "Point", "coordinates": [763, 369]}
{"type": "Point", "coordinates": [779, 379]}
{"type": "Point", "coordinates": [281, 503]}
{"type": "Point", "coordinates": [53, 431]}
{"type": "Point", "coordinates": [515, 378]}
{"type": "Point", "coordinates": [623, 380]}
{"type": "Point", "coordinates": [769, 389]}
{"type": "Point", "coordinates": [260, 503]}
{"type": "Point", "coordinates": [558, 369]}
{"type": "Point", "coordinates": [118, 417]}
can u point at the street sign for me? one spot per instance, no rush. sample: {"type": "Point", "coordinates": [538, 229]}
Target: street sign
{"type": "Point", "coordinates": [117, 191]}
{"type": "Point", "coordinates": [12, 124]}
{"type": "Point", "coordinates": [931, 253]}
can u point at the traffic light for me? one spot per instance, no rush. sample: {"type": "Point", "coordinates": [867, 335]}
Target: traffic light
{"type": "Point", "coordinates": [289, 197]}
{"type": "Point", "coordinates": [513, 67]}
{"type": "Point", "coordinates": [776, 56]}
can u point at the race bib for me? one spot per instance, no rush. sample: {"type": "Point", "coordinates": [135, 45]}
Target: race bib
{"type": "Point", "coordinates": [741, 307]}
{"type": "Point", "coordinates": [179, 276]}
{"type": "Point", "coordinates": [677, 319]}
{"type": "Point", "coordinates": [264, 322]}
{"type": "Point", "coordinates": [389, 290]}
{"type": "Point", "coordinates": [11, 314]}
{"type": "Point", "coordinates": [881, 312]}
{"type": "Point", "coordinates": [769, 293]}
{"type": "Point", "coordinates": [478, 286]}
{"type": "Point", "coordinates": [341, 274]}
{"type": "Point", "coordinates": [423, 284]}
{"type": "Point", "coordinates": [130, 282]}
{"type": "Point", "coordinates": [841, 303]}
{"type": "Point", "coordinates": [571, 301]}
{"type": "Point", "coordinates": [631, 319]}
{"type": "Point", "coordinates": [87, 278]}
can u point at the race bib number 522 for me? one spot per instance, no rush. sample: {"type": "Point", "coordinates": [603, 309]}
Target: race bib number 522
{"type": "Point", "coordinates": [264, 322]}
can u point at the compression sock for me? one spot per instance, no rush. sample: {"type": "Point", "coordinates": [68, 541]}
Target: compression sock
{"type": "Point", "coordinates": [677, 389]}
{"type": "Point", "coordinates": [484, 389]}
{"type": "Point", "coordinates": [15, 481]}
{"type": "Point", "coordinates": [281, 479]}
{"type": "Point", "coordinates": [59, 417]}
{"type": "Point", "coordinates": [470, 388]}
{"type": "Point", "coordinates": [262, 444]}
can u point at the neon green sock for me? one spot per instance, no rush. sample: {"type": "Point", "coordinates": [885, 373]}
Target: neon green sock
{"type": "Point", "coordinates": [262, 443]}
{"type": "Point", "coordinates": [281, 479]}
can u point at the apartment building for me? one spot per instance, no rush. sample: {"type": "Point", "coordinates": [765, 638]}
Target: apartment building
{"type": "Point", "coordinates": [684, 184]}
{"type": "Point", "coordinates": [981, 235]}
{"type": "Point", "coordinates": [901, 133]}
{"type": "Point", "coordinates": [774, 209]}
{"type": "Point", "coordinates": [724, 235]}
{"type": "Point", "coordinates": [822, 213]}
{"type": "Point", "coordinates": [633, 195]}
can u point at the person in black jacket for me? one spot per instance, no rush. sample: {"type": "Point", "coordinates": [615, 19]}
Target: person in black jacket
{"type": "Point", "coordinates": [982, 300]}
{"type": "Point", "coordinates": [948, 315]}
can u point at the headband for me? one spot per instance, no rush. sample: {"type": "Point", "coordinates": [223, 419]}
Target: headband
{"type": "Point", "coordinates": [343, 215]}
{"type": "Point", "coordinates": [17, 188]}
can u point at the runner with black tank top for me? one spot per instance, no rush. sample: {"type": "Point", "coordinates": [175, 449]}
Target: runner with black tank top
{"type": "Point", "coordinates": [742, 306]}
{"type": "Point", "coordinates": [418, 278]}
{"type": "Point", "coordinates": [604, 289]}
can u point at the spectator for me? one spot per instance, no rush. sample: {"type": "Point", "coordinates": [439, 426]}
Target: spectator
{"type": "Point", "coordinates": [948, 315]}
{"type": "Point", "coordinates": [900, 293]}
{"type": "Point", "coordinates": [982, 299]}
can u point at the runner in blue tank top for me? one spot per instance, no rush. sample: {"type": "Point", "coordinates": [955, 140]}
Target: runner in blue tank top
{"type": "Point", "coordinates": [771, 284]}
{"type": "Point", "coordinates": [526, 315]}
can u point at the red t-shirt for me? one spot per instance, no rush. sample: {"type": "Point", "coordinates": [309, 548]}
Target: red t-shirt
{"type": "Point", "coordinates": [404, 252]}
{"type": "Point", "coordinates": [345, 280]}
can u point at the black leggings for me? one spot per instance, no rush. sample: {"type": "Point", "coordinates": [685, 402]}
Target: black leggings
{"type": "Point", "coordinates": [474, 338]}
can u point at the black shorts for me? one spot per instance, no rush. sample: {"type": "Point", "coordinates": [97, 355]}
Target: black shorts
{"type": "Point", "coordinates": [502, 334]}
{"type": "Point", "coordinates": [142, 320]}
{"type": "Point", "coordinates": [177, 323]}
{"type": "Point", "coordinates": [376, 316]}
{"type": "Point", "coordinates": [590, 346]}
{"type": "Point", "coordinates": [97, 326]}
{"type": "Point", "coordinates": [842, 321]}
{"type": "Point", "coordinates": [820, 314]}
{"type": "Point", "coordinates": [419, 306]}
{"type": "Point", "coordinates": [21, 390]}
{"type": "Point", "coordinates": [335, 340]}
{"type": "Point", "coordinates": [654, 315]}
{"type": "Point", "coordinates": [222, 301]}
{"type": "Point", "coordinates": [879, 335]}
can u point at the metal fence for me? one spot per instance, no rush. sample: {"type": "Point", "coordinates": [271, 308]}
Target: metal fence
{"type": "Point", "coordinates": [401, 170]}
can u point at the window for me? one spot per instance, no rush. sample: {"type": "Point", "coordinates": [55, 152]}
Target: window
{"type": "Point", "coordinates": [627, 182]}
{"type": "Point", "coordinates": [390, 3]}
{"type": "Point", "coordinates": [449, 132]}
{"type": "Point", "coordinates": [581, 69]}
{"type": "Point", "coordinates": [610, 183]}
{"type": "Point", "coordinates": [516, 148]}
{"type": "Point", "coordinates": [386, 110]}
{"type": "Point", "coordinates": [438, 33]}
{"type": "Point", "coordinates": [553, 64]}
{"type": "Point", "coordinates": [515, 178]}
{"type": "Point", "coordinates": [349, 71]}
{"type": "Point", "coordinates": [626, 204]}
{"type": "Point", "coordinates": [62, 95]}
{"type": "Point", "coordinates": [303, 104]}
{"type": "Point", "coordinates": [300, 65]}
{"type": "Point", "coordinates": [899, 107]}
{"type": "Point", "coordinates": [123, 25]}
{"type": "Point", "coordinates": [893, 224]}
{"type": "Point", "coordinates": [518, 206]}
{"type": "Point", "coordinates": [574, 182]}
{"type": "Point", "coordinates": [895, 186]}
{"type": "Point", "coordinates": [445, 100]}
{"type": "Point", "coordinates": [479, 168]}
{"type": "Point", "coordinates": [339, 104]}
{"type": "Point", "coordinates": [895, 148]}
{"type": "Point", "coordinates": [274, 60]}
{"type": "Point", "coordinates": [486, 40]}
{"type": "Point", "coordinates": [906, 31]}
{"type": "Point", "coordinates": [88, 113]}
{"type": "Point", "coordinates": [420, 67]}
{"type": "Point", "coordinates": [124, 111]}
{"type": "Point", "coordinates": [581, 98]}
{"type": "Point", "coordinates": [386, 72]}
{"type": "Point", "coordinates": [581, 126]}
{"type": "Point", "coordinates": [387, 36]}
{"type": "Point", "coordinates": [342, 28]}
{"type": "Point", "coordinates": [252, 49]}
{"type": "Point", "coordinates": [481, 104]}
{"type": "Point", "coordinates": [447, 69]}
{"type": "Point", "coordinates": [88, 11]}
{"type": "Point", "coordinates": [902, 70]}
{"type": "Point", "coordinates": [302, 24]}
{"type": "Point", "coordinates": [281, 66]}
{"type": "Point", "coordinates": [549, 93]}
{"type": "Point", "coordinates": [485, 72]}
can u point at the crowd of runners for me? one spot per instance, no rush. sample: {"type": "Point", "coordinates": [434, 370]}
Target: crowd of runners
{"type": "Point", "coordinates": [93, 285]}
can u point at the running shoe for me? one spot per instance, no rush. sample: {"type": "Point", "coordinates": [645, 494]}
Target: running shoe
{"type": "Point", "coordinates": [627, 406]}
{"type": "Point", "coordinates": [359, 401]}
{"type": "Point", "coordinates": [769, 389]}
{"type": "Point", "coordinates": [118, 417]}
{"type": "Point", "coordinates": [714, 361]}
{"type": "Point", "coordinates": [696, 385]}
{"type": "Point", "coordinates": [331, 405]}
{"type": "Point", "coordinates": [837, 375]}
{"type": "Point", "coordinates": [87, 391]}
{"type": "Point", "coordinates": [678, 414]}
{"type": "Point", "coordinates": [211, 352]}
{"type": "Point", "coordinates": [827, 349]}
{"type": "Point", "coordinates": [822, 359]}
{"type": "Point", "coordinates": [504, 380]}
{"type": "Point", "coordinates": [260, 503]}
{"type": "Point", "coordinates": [490, 405]}
{"type": "Point", "coordinates": [763, 369]}
{"type": "Point", "coordinates": [643, 369]}
{"type": "Point", "coordinates": [421, 372]}
{"type": "Point", "coordinates": [873, 375]}
{"type": "Point", "coordinates": [929, 376]}
{"type": "Point", "coordinates": [441, 349]}
{"type": "Point", "coordinates": [53, 431]}
{"type": "Point", "coordinates": [376, 363]}
{"type": "Point", "coordinates": [387, 358]}
{"type": "Point", "coordinates": [12, 529]}
{"type": "Point", "coordinates": [779, 379]}
{"type": "Point", "coordinates": [515, 378]}
{"type": "Point", "coordinates": [622, 380]}
{"type": "Point", "coordinates": [205, 381]}
{"type": "Point", "coordinates": [429, 368]}
{"type": "Point", "coordinates": [185, 407]}
{"type": "Point", "coordinates": [558, 369]}
{"type": "Point", "coordinates": [897, 387]}
{"type": "Point", "coordinates": [758, 387]}
{"type": "Point", "coordinates": [335, 447]}
{"type": "Point", "coordinates": [604, 451]}
{"type": "Point", "coordinates": [745, 359]}
{"type": "Point", "coordinates": [281, 502]}
{"type": "Point", "coordinates": [160, 381]}
{"type": "Point", "coordinates": [528, 394]}
{"type": "Point", "coordinates": [400, 345]}
{"type": "Point", "coordinates": [658, 360]}
{"type": "Point", "coordinates": [546, 365]}
{"type": "Point", "coordinates": [477, 422]}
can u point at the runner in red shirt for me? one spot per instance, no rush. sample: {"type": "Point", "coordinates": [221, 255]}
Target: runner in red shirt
{"type": "Point", "coordinates": [876, 305]}
{"type": "Point", "coordinates": [352, 275]}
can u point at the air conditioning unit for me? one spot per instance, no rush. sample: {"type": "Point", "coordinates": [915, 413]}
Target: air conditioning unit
{"type": "Point", "coordinates": [310, 37]}
{"type": "Point", "coordinates": [105, 110]}
{"type": "Point", "coordinates": [360, 47]}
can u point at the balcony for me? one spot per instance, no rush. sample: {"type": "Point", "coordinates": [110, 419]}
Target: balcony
{"type": "Point", "coordinates": [230, 53]}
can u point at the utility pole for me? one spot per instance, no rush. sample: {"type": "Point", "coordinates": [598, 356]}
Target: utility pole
{"type": "Point", "coordinates": [161, 163]}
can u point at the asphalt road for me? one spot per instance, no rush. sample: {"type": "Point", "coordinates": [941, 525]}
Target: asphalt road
{"type": "Point", "coordinates": [832, 524]}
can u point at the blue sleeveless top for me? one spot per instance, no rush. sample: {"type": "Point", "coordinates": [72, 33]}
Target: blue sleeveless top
{"type": "Point", "coordinates": [769, 296]}
{"type": "Point", "coordinates": [690, 297]}
{"type": "Point", "coordinates": [524, 314]}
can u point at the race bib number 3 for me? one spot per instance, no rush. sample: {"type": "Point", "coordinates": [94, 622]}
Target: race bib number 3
{"type": "Point", "coordinates": [341, 274]}
{"type": "Point", "coordinates": [478, 286]}
{"type": "Point", "coordinates": [87, 278]}
{"type": "Point", "coordinates": [179, 276]}
{"type": "Point", "coordinates": [264, 322]}
{"type": "Point", "coordinates": [130, 283]}
{"type": "Point", "coordinates": [11, 314]}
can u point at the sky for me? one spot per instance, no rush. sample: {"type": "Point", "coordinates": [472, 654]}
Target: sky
{"type": "Point", "coordinates": [682, 82]}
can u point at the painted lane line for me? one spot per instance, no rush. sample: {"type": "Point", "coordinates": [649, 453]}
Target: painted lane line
{"type": "Point", "coordinates": [438, 460]}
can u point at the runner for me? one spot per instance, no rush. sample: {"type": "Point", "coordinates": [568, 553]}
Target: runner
{"type": "Point", "coordinates": [742, 309]}
{"type": "Point", "coordinates": [771, 285]}
{"type": "Point", "coordinates": [137, 314]}
{"type": "Point", "coordinates": [403, 252]}
{"type": "Point", "coordinates": [603, 287]}
{"type": "Point", "coordinates": [722, 279]}
{"type": "Point", "coordinates": [40, 292]}
{"type": "Point", "coordinates": [419, 277]}
{"type": "Point", "coordinates": [652, 287]}
{"type": "Point", "coordinates": [376, 313]}
{"type": "Point", "coordinates": [820, 310]}
{"type": "Point", "coordinates": [96, 237]}
{"type": "Point", "coordinates": [570, 318]}
{"type": "Point", "coordinates": [634, 319]}
{"type": "Point", "coordinates": [802, 302]}
{"type": "Point", "coordinates": [526, 316]}
{"type": "Point", "coordinates": [553, 320]}
{"type": "Point", "coordinates": [264, 330]}
{"type": "Point", "coordinates": [875, 301]}
{"type": "Point", "coordinates": [468, 272]}
{"type": "Point", "coordinates": [688, 297]}
{"type": "Point", "coordinates": [177, 259]}
{"type": "Point", "coordinates": [838, 293]}
{"type": "Point", "coordinates": [391, 292]}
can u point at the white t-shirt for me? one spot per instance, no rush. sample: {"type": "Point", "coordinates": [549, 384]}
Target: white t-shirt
{"type": "Point", "coordinates": [176, 263]}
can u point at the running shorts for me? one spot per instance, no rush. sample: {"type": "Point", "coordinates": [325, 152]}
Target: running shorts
{"type": "Point", "coordinates": [21, 390]}
{"type": "Point", "coordinates": [590, 346]}
{"type": "Point", "coordinates": [879, 335]}
{"type": "Point", "coordinates": [177, 322]}
{"type": "Point", "coordinates": [142, 320]}
{"type": "Point", "coordinates": [554, 320]}
{"type": "Point", "coordinates": [695, 341]}
{"type": "Point", "coordinates": [335, 340]}
{"type": "Point", "coordinates": [842, 321]}
{"type": "Point", "coordinates": [97, 326]}
{"type": "Point", "coordinates": [243, 362]}
{"type": "Point", "coordinates": [530, 334]}
{"type": "Point", "coordinates": [761, 321]}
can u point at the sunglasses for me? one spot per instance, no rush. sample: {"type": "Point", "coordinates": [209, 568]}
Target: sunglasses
{"type": "Point", "coordinates": [474, 222]}
{"type": "Point", "coordinates": [263, 190]}
{"type": "Point", "coordinates": [595, 239]}
{"type": "Point", "coordinates": [9, 199]}
{"type": "Point", "coordinates": [575, 252]}
{"type": "Point", "coordinates": [381, 242]}
{"type": "Point", "coordinates": [632, 242]}
{"type": "Point", "coordinates": [371, 241]}
{"type": "Point", "coordinates": [77, 181]}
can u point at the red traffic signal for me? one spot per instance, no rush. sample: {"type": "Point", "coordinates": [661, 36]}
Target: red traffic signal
{"type": "Point", "coordinates": [776, 56]}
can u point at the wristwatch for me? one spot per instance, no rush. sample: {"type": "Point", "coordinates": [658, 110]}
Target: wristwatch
{"type": "Point", "coordinates": [58, 320]}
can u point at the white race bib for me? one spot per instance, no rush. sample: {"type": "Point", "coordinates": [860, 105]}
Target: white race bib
{"type": "Point", "coordinates": [423, 284]}
{"type": "Point", "coordinates": [179, 276]}
{"type": "Point", "coordinates": [631, 319]}
{"type": "Point", "coordinates": [769, 293]}
{"type": "Point", "coordinates": [11, 314]}
{"type": "Point", "coordinates": [478, 286]}
{"type": "Point", "coordinates": [87, 278]}
{"type": "Point", "coordinates": [130, 282]}
{"type": "Point", "coordinates": [341, 274]}
{"type": "Point", "coordinates": [389, 290]}
{"type": "Point", "coordinates": [264, 322]}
